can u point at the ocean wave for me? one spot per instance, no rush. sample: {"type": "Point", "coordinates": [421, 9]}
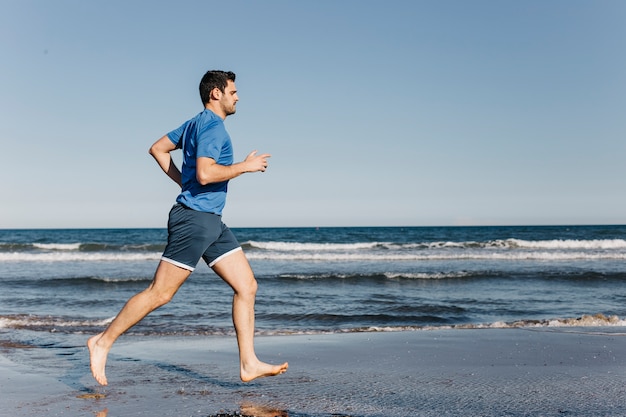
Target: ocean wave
{"type": "Point", "coordinates": [95, 280]}
{"type": "Point", "coordinates": [497, 250]}
{"type": "Point", "coordinates": [384, 276]}
{"type": "Point", "coordinates": [569, 276]}
{"type": "Point", "coordinates": [49, 323]}
{"type": "Point", "coordinates": [79, 247]}
{"type": "Point", "coordinates": [57, 246]}
{"type": "Point", "coordinates": [600, 244]}
{"type": "Point", "coordinates": [310, 247]}
{"type": "Point", "coordinates": [78, 256]}
{"type": "Point", "coordinates": [587, 320]}
{"type": "Point", "coordinates": [381, 256]}
{"type": "Point", "coordinates": [584, 321]}
{"type": "Point", "coordinates": [594, 244]}
{"type": "Point", "coordinates": [82, 326]}
{"type": "Point", "coordinates": [433, 275]}
{"type": "Point", "coordinates": [555, 244]}
{"type": "Point", "coordinates": [435, 256]}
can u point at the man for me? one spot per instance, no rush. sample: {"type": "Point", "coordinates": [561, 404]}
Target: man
{"type": "Point", "coordinates": [195, 229]}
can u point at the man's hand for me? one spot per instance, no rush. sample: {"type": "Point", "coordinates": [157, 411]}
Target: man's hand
{"type": "Point", "coordinates": [256, 162]}
{"type": "Point", "coordinates": [160, 151]}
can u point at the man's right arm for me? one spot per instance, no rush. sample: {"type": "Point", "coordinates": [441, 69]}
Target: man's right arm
{"type": "Point", "coordinates": [160, 151]}
{"type": "Point", "coordinates": [208, 171]}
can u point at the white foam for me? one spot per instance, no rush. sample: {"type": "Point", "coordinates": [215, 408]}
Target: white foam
{"type": "Point", "coordinates": [587, 320]}
{"type": "Point", "coordinates": [70, 256]}
{"type": "Point", "coordinates": [468, 255]}
{"type": "Point", "coordinates": [602, 244]}
{"type": "Point", "coordinates": [599, 244]}
{"type": "Point", "coordinates": [497, 250]}
{"type": "Point", "coordinates": [57, 246]}
{"type": "Point", "coordinates": [23, 321]}
{"type": "Point", "coordinates": [77, 256]}
{"type": "Point", "coordinates": [596, 320]}
{"type": "Point", "coordinates": [310, 247]}
{"type": "Point", "coordinates": [420, 275]}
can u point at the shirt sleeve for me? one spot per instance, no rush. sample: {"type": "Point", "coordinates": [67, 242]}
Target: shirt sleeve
{"type": "Point", "coordinates": [176, 134]}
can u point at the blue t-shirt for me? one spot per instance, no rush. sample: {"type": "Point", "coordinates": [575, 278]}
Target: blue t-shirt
{"type": "Point", "coordinates": [203, 136]}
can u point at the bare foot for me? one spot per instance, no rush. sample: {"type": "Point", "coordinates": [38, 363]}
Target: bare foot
{"type": "Point", "coordinates": [260, 370]}
{"type": "Point", "coordinates": [98, 359]}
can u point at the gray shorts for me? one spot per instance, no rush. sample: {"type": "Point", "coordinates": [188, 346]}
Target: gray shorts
{"type": "Point", "coordinates": [193, 235]}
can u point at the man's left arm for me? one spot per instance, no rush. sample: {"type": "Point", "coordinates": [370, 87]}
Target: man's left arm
{"type": "Point", "coordinates": [160, 151]}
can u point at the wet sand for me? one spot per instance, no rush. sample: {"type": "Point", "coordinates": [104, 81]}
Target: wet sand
{"type": "Point", "coordinates": [478, 372]}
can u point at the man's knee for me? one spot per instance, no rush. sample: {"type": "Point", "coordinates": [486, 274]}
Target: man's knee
{"type": "Point", "coordinates": [164, 297]}
{"type": "Point", "coordinates": [159, 297]}
{"type": "Point", "coordinates": [167, 280]}
{"type": "Point", "coordinates": [248, 290]}
{"type": "Point", "coordinates": [254, 286]}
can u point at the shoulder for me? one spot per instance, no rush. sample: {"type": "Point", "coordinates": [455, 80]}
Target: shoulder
{"type": "Point", "coordinates": [207, 117]}
{"type": "Point", "coordinates": [202, 119]}
{"type": "Point", "coordinates": [210, 122]}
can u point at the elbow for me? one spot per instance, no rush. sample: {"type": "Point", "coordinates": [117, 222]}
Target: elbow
{"type": "Point", "coordinates": [152, 151]}
{"type": "Point", "coordinates": [203, 179]}
{"type": "Point", "coordinates": [207, 171]}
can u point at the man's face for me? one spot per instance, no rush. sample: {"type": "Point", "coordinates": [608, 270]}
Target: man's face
{"type": "Point", "coordinates": [229, 98]}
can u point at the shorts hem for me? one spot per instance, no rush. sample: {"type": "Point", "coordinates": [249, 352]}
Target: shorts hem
{"type": "Point", "coordinates": [219, 258]}
{"type": "Point", "coordinates": [178, 264]}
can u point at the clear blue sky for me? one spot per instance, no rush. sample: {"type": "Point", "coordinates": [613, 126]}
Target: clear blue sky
{"type": "Point", "coordinates": [376, 112]}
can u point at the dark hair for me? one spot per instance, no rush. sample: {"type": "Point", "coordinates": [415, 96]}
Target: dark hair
{"type": "Point", "coordinates": [214, 79]}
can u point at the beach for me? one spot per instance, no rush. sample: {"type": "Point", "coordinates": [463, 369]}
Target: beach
{"type": "Point", "coordinates": [374, 322]}
{"type": "Point", "coordinates": [475, 372]}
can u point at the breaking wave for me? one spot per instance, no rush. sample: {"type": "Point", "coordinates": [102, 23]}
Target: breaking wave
{"type": "Point", "coordinates": [499, 250]}
{"type": "Point", "coordinates": [80, 326]}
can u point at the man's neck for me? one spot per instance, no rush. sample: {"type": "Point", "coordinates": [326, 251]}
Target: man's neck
{"type": "Point", "coordinates": [215, 109]}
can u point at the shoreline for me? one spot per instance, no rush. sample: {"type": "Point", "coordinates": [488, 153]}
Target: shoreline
{"type": "Point", "coordinates": [574, 371]}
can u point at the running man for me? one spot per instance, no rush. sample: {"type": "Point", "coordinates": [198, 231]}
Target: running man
{"type": "Point", "coordinates": [195, 228]}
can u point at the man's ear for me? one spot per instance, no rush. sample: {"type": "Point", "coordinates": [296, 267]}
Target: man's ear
{"type": "Point", "coordinates": [216, 94]}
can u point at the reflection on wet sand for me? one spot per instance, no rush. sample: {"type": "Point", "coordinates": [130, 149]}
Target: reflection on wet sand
{"type": "Point", "coordinates": [246, 410]}
{"type": "Point", "coordinates": [255, 410]}
{"type": "Point", "coordinates": [249, 409]}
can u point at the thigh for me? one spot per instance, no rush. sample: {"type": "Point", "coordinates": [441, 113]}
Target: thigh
{"type": "Point", "coordinates": [168, 278]}
{"type": "Point", "coordinates": [235, 270]}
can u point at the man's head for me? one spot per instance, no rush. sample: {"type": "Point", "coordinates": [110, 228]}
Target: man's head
{"type": "Point", "coordinates": [218, 92]}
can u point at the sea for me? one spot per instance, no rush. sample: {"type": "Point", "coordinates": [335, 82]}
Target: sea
{"type": "Point", "coordinates": [322, 280]}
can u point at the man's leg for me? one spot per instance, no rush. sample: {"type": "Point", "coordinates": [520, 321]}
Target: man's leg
{"type": "Point", "coordinates": [236, 271]}
{"type": "Point", "coordinates": [167, 280]}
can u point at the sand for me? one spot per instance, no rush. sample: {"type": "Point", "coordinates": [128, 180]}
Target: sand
{"type": "Point", "coordinates": [477, 372]}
